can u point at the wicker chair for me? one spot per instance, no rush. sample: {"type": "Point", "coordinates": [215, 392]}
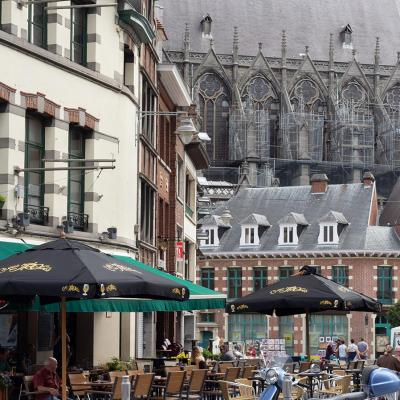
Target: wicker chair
{"type": "Point", "coordinates": [224, 365]}
{"type": "Point", "coordinates": [228, 392]}
{"type": "Point", "coordinates": [342, 386]}
{"type": "Point", "coordinates": [173, 387]}
{"type": "Point", "coordinates": [247, 372]}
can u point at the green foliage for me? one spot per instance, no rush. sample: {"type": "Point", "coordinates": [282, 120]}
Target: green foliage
{"type": "Point", "coordinates": [5, 381]}
{"type": "Point", "coordinates": [210, 356]}
{"type": "Point", "coordinates": [116, 365]}
{"type": "Point", "coordinates": [393, 315]}
{"type": "Point", "coordinates": [2, 198]}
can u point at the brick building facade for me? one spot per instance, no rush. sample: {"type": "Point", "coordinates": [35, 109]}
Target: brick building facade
{"type": "Point", "coordinates": [364, 258]}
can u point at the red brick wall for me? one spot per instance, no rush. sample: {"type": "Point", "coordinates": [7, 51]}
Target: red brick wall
{"type": "Point", "coordinates": [362, 278]}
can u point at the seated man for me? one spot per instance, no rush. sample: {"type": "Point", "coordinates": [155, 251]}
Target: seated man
{"type": "Point", "coordinates": [388, 360]}
{"type": "Point", "coordinates": [46, 380]}
{"type": "Point", "coordinates": [226, 354]}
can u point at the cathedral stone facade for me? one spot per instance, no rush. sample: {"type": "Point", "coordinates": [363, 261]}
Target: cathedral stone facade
{"type": "Point", "coordinates": [289, 89]}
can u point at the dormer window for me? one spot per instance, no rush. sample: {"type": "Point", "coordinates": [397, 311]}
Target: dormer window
{"type": "Point", "coordinates": [288, 234]}
{"type": "Point", "coordinates": [330, 227]}
{"type": "Point", "coordinates": [206, 25]}
{"type": "Point", "coordinates": [253, 227]}
{"type": "Point", "coordinates": [290, 229]}
{"type": "Point", "coordinates": [346, 37]}
{"type": "Point", "coordinates": [214, 226]}
{"type": "Point", "coordinates": [212, 239]}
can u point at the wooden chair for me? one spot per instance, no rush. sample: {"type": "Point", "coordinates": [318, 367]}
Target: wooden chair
{"type": "Point", "coordinates": [247, 372]}
{"type": "Point", "coordinates": [196, 384]}
{"type": "Point", "coordinates": [172, 369]}
{"type": "Point", "coordinates": [116, 374]}
{"type": "Point", "coordinates": [246, 390]}
{"type": "Point", "coordinates": [141, 388]}
{"type": "Point", "coordinates": [113, 394]}
{"type": "Point", "coordinates": [304, 366]}
{"type": "Point", "coordinates": [231, 374]}
{"type": "Point", "coordinates": [342, 386]}
{"type": "Point", "coordinates": [75, 383]}
{"type": "Point", "coordinates": [229, 394]}
{"type": "Point", "coordinates": [173, 387]}
{"type": "Point", "coordinates": [27, 390]}
{"type": "Point", "coordinates": [189, 369]}
{"type": "Point", "coordinates": [132, 373]}
{"type": "Point", "coordinates": [224, 365]}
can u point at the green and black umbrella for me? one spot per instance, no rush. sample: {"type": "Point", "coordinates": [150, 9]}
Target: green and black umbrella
{"type": "Point", "coordinates": [304, 293]}
{"type": "Point", "coordinates": [69, 270]}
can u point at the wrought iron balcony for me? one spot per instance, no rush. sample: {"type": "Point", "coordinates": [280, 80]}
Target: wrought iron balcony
{"type": "Point", "coordinates": [37, 214]}
{"type": "Point", "coordinates": [80, 221]}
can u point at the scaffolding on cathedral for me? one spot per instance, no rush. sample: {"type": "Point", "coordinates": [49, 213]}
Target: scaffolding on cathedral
{"type": "Point", "coordinates": [249, 132]}
{"type": "Point", "coordinates": [302, 136]}
{"type": "Point", "coordinates": [388, 137]}
{"type": "Point", "coordinates": [352, 135]}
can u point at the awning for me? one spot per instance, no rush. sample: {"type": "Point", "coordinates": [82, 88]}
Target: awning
{"type": "Point", "coordinates": [200, 297]}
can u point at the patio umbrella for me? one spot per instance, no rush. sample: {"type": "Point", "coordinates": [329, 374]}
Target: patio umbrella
{"type": "Point", "coordinates": [67, 270]}
{"type": "Point", "coordinates": [306, 293]}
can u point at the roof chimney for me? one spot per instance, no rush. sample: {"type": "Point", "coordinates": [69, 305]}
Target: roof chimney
{"type": "Point", "coordinates": [319, 183]}
{"type": "Point", "coordinates": [368, 179]}
{"type": "Point", "coordinates": [226, 217]}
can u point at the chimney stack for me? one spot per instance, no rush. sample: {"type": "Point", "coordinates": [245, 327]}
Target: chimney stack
{"type": "Point", "coordinates": [368, 179]}
{"type": "Point", "coordinates": [226, 217]}
{"type": "Point", "coordinates": [319, 183]}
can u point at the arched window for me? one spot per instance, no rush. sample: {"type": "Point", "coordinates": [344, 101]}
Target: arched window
{"type": "Point", "coordinates": [213, 100]}
{"type": "Point", "coordinates": [258, 92]}
{"type": "Point", "coordinates": [392, 99]}
{"type": "Point", "coordinates": [307, 97]}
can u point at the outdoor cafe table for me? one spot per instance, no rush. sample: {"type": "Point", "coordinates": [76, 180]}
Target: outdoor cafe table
{"type": "Point", "coordinates": [311, 377]}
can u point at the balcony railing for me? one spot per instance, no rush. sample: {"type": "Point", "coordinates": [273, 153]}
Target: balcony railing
{"type": "Point", "coordinates": [188, 211]}
{"type": "Point", "coordinates": [80, 221]}
{"type": "Point", "coordinates": [37, 214]}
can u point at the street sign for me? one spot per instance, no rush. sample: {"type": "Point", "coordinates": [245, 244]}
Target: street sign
{"type": "Point", "coordinates": [179, 251]}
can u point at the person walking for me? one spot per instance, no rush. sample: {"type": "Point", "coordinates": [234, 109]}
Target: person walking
{"type": "Point", "coordinates": [342, 351]}
{"type": "Point", "coordinates": [362, 349]}
{"type": "Point", "coordinates": [388, 360]}
{"type": "Point", "coordinates": [352, 350]}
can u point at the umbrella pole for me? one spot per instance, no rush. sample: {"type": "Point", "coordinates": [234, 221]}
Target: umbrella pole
{"type": "Point", "coordinates": [308, 335]}
{"type": "Point", "coordinates": [63, 349]}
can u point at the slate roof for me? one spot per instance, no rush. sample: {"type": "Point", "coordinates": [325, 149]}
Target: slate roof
{"type": "Point", "coordinates": [334, 216]}
{"type": "Point", "coordinates": [256, 219]}
{"type": "Point", "coordinates": [307, 22]}
{"type": "Point", "coordinates": [276, 203]}
{"type": "Point", "coordinates": [213, 220]}
{"type": "Point", "coordinates": [391, 212]}
{"type": "Point", "coordinates": [294, 218]}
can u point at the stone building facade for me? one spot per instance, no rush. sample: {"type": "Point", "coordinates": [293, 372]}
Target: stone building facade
{"type": "Point", "coordinates": [320, 94]}
{"type": "Point", "coordinates": [263, 235]}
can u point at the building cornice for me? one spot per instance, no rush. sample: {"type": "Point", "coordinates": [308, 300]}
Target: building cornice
{"type": "Point", "coordinates": [303, 254]}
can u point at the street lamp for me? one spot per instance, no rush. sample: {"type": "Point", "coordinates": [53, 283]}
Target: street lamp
{"type": "Point", "coordinates": [186, 131]}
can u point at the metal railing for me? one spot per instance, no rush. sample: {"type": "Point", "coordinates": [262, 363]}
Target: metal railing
{"type": "Point", "coordinates": [37, 214]}
{"type": "Point", "coordinates": [80, 220]}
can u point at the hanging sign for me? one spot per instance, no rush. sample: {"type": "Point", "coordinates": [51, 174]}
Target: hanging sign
{"type": "Point", "coordinates": [179, 251]}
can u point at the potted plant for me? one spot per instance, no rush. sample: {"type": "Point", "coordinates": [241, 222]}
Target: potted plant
{"type": "Point", "coordinates": [2, 201]}
{"type": "Point", "coordinates": [116, 365]}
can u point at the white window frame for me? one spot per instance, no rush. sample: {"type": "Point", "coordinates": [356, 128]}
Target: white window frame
{"type": "Point", "coordinates": [212, 234]}
{"type": "Point", "coordinates": [283, 230]}
{"type": "Point", "coordinates": [332, 233]}
{"type": "Point", "coordinates": [245, 238]}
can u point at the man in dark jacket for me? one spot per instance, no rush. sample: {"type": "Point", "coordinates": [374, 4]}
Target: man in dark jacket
{"type": "Point", "coordinates": [388, 360]}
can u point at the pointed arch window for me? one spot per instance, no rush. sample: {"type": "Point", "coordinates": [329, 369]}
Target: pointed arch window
{"type": "Point", "coordinates": [259, 92]}
{"type": "Point", "coordinates": [307, 97]}
{"type": "Point", "coordinates": [214, 101]}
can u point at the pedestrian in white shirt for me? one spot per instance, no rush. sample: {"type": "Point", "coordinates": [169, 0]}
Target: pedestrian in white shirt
{"type": "Point", "coordinates": [342, 351]}
{"type": "Point", "coordinates": [352, 351]}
